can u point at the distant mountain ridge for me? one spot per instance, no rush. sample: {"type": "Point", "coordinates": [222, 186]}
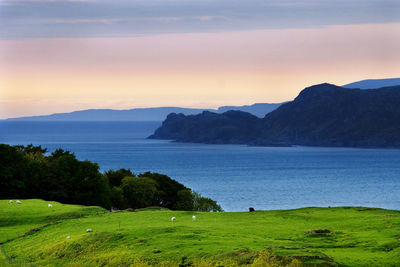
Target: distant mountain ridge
{"type": "Point", "coordinates": [160, 113]}
{"type": "Point", "coordinates": [321, 115]}
{"type": "Point", "coordinates": [142, 114]}
{"type": "Point", "coordinates": [373, 83]}
{"type": "Point", "coordinates": [137, 114]}
{"type": "Point", "coordinates": [257, 109]}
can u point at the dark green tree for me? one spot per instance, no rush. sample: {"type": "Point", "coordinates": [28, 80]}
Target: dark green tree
{"type": "Point", "coordinates": [139, 192]}
{"type": "Point", "coordinates": [168, 188]}
{"type": "Point", "coordinates": [91, 186]}
{"type": "Point", "coordinates": [185, 200]}
{"type": "Point", "coordinates": [31, 149]}
{"type": "Point", "coordinates": [204, 203]}
{"type": "Point", "coordinates": [117, 198]}
{"type": "Point", "coordinates": [115, 177]}
{"type": "Point", "coordinates": [61, 181]}
{"type": "Point", "coordinates": [13, 172]}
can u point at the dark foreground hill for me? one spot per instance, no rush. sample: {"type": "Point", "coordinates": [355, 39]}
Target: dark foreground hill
{"type": "Point", "coordinates": [321, 115]}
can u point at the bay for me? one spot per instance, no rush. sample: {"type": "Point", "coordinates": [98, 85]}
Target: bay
{"type": "Point", "coordinates": [237, 176]}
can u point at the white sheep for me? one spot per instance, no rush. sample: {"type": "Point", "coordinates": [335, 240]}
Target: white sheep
{"type": "Point", "coordinates": [18, 202]}
{"type": "Point", "coordinates": [89, 230]}
{"type": "Point", "coordinates": [50, 205]}
{"type": "Point", "coordinates": [173, 219]}
{"type": "Point", "coordinates": [68, 237]}
{"type": "Point", "coordinates": [10, 201]}
{"type": "Point", "coordinates": [194, 218]}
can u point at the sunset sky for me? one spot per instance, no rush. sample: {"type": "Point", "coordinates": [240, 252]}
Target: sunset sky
{"type": "Point", "coordinates": [60, 56]}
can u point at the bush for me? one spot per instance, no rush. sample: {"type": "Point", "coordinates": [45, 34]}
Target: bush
{"type": "Point", "coordinates": [185, 200]}
{"type": "Point", "coordinates": [168, 189]}
{"type": "Point", "coordinates": [204, 203]}
{"type": "Point", "coordinates": [139, 192]}
{"type": "Point", "coordinates": [115, 177]}
{"type": "Point", "coordinates": [117, 198]}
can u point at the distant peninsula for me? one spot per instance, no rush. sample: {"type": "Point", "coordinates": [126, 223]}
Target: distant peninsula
{"type": "Point", "coordinates": [144, 114]}
{"type": "Point", "coordinates": [321, 115]}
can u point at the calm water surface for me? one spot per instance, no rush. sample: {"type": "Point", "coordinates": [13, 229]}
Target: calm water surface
{"type": "Point", "coordinates": [237, 176]}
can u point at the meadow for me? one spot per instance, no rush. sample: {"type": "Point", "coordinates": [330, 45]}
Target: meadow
{"type": "Point", "coordinates": [33, 234]}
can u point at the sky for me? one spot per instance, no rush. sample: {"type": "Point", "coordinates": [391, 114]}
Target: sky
{"type": "Point", "coordinates": [60, 55]}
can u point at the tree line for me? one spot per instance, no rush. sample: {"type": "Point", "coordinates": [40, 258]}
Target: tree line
{"type": "Point", "coordinates": [31, 172]}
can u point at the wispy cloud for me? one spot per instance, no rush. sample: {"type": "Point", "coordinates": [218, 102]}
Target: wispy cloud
{"type": "Point", "coordinates": [87, 18]}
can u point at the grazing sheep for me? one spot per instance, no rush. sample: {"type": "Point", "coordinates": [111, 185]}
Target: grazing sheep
{"type": "Point", "coordinates": [10, 201]}
{"type": "Point", "coordinates": [18, 202]}
{"type": "Point", "coordinates": [89, 230]}
{"type": "Point", "coordinates": [173, 219]}
{"type": "Point", "coordinates": [68, 237]}
{"type": "Point", "coordinates": [50, 205]}
{"type": "Point", "coordinates": [194, 218]}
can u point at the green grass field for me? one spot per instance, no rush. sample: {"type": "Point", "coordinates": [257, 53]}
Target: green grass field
{"type": "Point", "coordinates": [33, 233]}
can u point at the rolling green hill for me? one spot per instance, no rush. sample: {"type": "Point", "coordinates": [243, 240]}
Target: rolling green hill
{"type": "Point", "coordinates": [32, 232]}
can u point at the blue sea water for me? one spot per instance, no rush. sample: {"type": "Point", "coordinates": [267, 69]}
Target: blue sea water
{"type": "Point", "coordinates": [237, 176]}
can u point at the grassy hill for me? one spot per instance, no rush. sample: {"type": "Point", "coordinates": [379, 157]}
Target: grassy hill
{"type": "Point", "coordinates": [32, 232]}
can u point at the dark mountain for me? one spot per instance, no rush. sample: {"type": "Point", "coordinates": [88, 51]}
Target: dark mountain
{"type": "Point", "coordinates": [373, 83]}
{"type": "Point", "coordinates": [234, 127]}
{"type": "Point", "coordinates": [321, 115]}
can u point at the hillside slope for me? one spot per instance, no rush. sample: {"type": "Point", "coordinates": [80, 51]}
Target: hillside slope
{"type": "Point", "coordinates": [320, 236]}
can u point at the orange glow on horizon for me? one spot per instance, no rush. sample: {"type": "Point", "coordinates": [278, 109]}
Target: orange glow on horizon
{"type": "Point", "coordinates": [42, 76]}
